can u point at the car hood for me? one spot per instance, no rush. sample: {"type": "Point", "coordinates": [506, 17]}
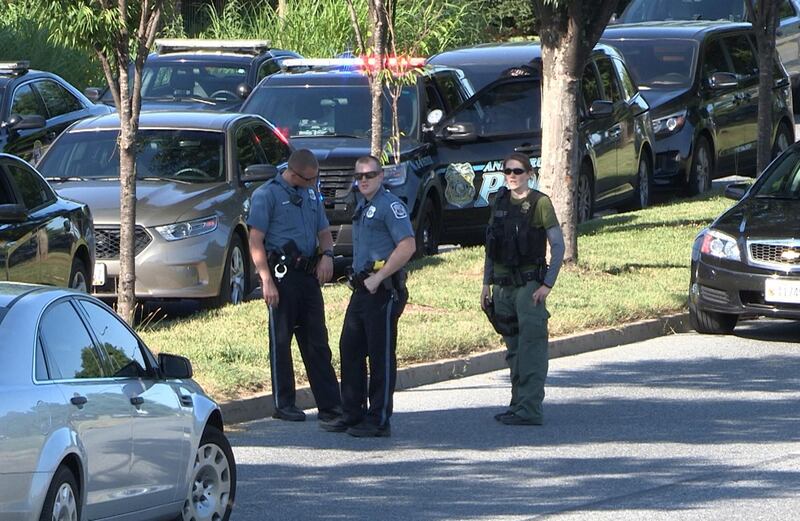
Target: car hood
{"type": "Point", "coordinates": [340, 153]}
{"type": "Point", "coordinates": [665, 101]}
{"type": "Point", "coordinates": [157, 202]}
{"type": "Point", "coordinates": [762, 218]}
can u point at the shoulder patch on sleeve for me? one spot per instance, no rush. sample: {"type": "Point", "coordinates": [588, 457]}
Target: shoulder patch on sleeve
{"type": "Point", "coordinates": [399, 210]}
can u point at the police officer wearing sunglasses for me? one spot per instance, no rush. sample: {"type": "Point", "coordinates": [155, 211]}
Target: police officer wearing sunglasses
{"type": "Point", "coordinates": [383, 242]}
{"type": "Point", "coordinates": [288, 228]}
{"type": "Point", "coordinates": [517, 281]}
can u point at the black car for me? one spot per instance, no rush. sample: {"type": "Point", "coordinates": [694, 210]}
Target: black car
{"type": "Point", "coordinates": [187, 74]}
{"type": "Point", "coordinates": [747, 262]}
{"type": "Point", "coordinates": [44, 238]}
{"type": "Point", "coordinates": [35, 107]}
{"type": "Point", "coordinates": [615, 132]}
{"type": "Point", "coordinates": [701, 81]}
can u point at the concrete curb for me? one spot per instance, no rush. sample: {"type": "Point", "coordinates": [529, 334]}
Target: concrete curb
{"type": "Point", "coordinates": [261, 406]}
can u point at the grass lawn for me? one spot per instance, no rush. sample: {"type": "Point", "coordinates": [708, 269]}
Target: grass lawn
{"type": "Point", "coordinates": [631, 266]}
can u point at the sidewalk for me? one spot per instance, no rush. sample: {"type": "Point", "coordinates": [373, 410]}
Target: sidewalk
{"type": "Point", "coordinates": [261, 405]}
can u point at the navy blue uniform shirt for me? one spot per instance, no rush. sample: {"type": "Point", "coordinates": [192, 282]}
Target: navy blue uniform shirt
{"type": "Point", "coordinates": [284, 212]}
{"type": "Point", "coordinates": [378, 226]}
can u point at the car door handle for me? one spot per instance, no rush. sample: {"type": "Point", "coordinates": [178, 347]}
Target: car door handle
{"type": "Point", "coordinates": [67, 225]}
{"type": "Point", "coordinates": [186, 400]}
{"type": "Point", "coordinates": [137, 401]}
{"type": "Point", "coordinates": [525, 148]}
{"type": "Point", "coordinates": [78, 401]}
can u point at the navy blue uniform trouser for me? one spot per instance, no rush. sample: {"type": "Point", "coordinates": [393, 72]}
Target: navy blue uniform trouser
{"type": "Point", "coordinates": [301, 312]}
{"type": "Point", "coordinates": [369, 334]}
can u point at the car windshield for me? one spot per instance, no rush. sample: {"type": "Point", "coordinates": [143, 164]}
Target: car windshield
{"type": "Point", "coordinates": [331, 110]}
{"type": "Point", "coordinates": [178, 155]}
{"type": "Point", "coordinates": [782, 181]}
{"type": "Point", "coordinates": [657, 10]}
{"type": "Point", "coordinates": [659, 63]}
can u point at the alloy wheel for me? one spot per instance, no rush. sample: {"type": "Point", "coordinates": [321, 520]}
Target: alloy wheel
{"type": "Point", "coordinates": [584, 198]}
{"type": "Point", "coordinates": [237, 276]}
{"type": "Point", "coordinates": [210, 485]}
{"type": "Point", "coordinates": [65, 507]}
{"type": "Point", "coordinates": [644, 184]}
{"type": "Point", "coordinates": [702, 169]}
{"type": "Point", "coordinates": [78, 282]}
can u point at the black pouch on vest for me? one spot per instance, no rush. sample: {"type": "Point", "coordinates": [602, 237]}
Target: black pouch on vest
{"type": "Point", "coordinates": [502, 324]}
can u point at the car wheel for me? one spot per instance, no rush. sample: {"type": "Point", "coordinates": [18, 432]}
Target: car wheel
{"type": "Point", "coordinates": [702, 168]}
{"type": "Point", "coordinates": [643, 188]}
{"type": "Point", "coordinates": [585, 197]}
{"type": "Point", "coordinates": [62, 502]}
{"type": "Point", "coordinates": [427, 233]}
{"type": "Point", "coordinates": [711, 322]}
{"type": "Point", "coordinates": [79, 276]}
{"type": "Point", "coordinates": [212, 488]}
{"type": "Point", "coordinates": [783, 138]}
{"type": "Point", "coordinates": [233, 286]}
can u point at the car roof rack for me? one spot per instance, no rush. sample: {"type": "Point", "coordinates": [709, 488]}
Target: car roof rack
{"type": "Point", "coordinates": [17, 68]}
{"type": "Point", "coordinates": [171, 45]}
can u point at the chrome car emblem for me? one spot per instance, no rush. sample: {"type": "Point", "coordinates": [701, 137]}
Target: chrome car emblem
{"type": "Point", "coordinates": [790, 255]}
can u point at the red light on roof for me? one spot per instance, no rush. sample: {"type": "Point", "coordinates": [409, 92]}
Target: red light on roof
{"type": "Point", "coordinates": [394, 63]}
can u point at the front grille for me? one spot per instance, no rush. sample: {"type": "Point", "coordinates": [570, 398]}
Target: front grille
{"type": "Point", "coordinates": [107, 242]}
{"type": "Point", "coordinates": [335, 184]}
{"type": "Point", "coordinates": [783, 253]}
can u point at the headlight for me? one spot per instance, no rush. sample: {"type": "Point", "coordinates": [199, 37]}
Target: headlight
{"type": "Point", "coordinates": [669, 124]}
{"type": "Point", "coordinates": [395, 175]}
{"type": "Point", "coordinates": [720, 245]}
{"type": "Point", "coordinates": [186, 229]}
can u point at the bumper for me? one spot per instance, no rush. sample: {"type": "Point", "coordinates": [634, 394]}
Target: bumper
{"type": "Point", "coordinates": [725, 290]}
{"type": "Point", "coordinates": [22, 495]}
{"type": "Point", "coordinates": [673, 159]}
{"type": "Point", "coordinates": [188, 268]}
{"type": "Point", "coordinates": [342, 239]}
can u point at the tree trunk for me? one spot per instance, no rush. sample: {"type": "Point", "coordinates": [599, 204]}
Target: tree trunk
{"type": "Point", "coordinates": [126, 295]}
{"type": "Point", "coordinates": [282, 9]}
{"type": "Point", "coordinates": [378, 17]}
{"type": "Point", "coordinates": [765, 21]}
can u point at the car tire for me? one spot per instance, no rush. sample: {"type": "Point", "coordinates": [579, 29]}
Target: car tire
{"type": "Point", "coordinates": [702, 170]}
{"type": "Point", "coordinates": [235, 276]}
{"type": "Point", "coordinates": [212, 485]}
{"type": "Point", "coordinates": [79, 276]}
{"type": "Point", "coordinates": [427, 232]}
{"type": "Point", "coordinates": [63, 499]}
{"type": "Point", "coordinates": [643, 188]}
{"type": "Point", "coordinates": [584, 200]}
{"type": "Point", "coordinates": [711, 322]}
{"type": "Point", "coordinates": [783, 138]}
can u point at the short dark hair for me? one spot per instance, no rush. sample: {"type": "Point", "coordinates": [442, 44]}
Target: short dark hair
{"type": "Point", "coordinates": [520, 158]}
{"type": "Point", "coordinates": [303, 159]}
{"type": "Point", "coordinates": [363, 160]}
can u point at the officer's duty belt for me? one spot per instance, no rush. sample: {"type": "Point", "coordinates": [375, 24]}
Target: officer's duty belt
{"type": "Point", "coordinates": [520, 278]}
{"type": "Point", "coordinates": [297, 263]}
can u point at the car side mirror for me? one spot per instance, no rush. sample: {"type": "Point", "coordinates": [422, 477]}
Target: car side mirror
{"type": "Point", "coordinates": [243, 90]}
{"type": "Point", "coordinates": [33, 121]}
{"type": "Point", "coordinates": [255, 173]}
{"type": "Point", "coordinates": [459, 132]}
{"type": "Point", "coordinates": [93, 93]}
{"type": "Point", "coordinates": [12, 213]}
{"type": "Point", "coordinates": [601, 109]}
{"type": "Point", "coordinates": [174, 366]}
{"type": "Point", "coordinates": [723, 80]}
{"type": "Point", "coordinates": [736, 191]}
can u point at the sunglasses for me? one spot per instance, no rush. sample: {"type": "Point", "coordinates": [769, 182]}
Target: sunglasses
{"type": "Point", "coordinates": [372, 174]}
{"type": "Point", "coordinates": [304, 177]}
{"type": "Point", "coordinates": [515, 171]}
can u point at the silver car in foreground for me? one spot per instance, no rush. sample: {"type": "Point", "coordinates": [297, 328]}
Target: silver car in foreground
{"type": "Point", "coordinates": [93, 426]}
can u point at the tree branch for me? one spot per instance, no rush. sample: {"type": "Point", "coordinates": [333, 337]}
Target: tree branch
{"type": "Point", "coordinates": [357, 28]}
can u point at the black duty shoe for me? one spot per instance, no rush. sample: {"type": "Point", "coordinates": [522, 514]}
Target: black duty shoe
{"type": "Point", "coordinates": [513, 419]}
{"type": "Point", "coordinates": [329, 415]}
{"type": "Point", "coordinates": [289, 413]}
{"type": "Point", "coordinates": [499, 416]}
{"type": "Point", "coordinates": [337, 424]}
{"type": "Point", "coordinates": [370, 430]}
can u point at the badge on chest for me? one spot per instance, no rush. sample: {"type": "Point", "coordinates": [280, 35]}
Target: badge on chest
{"type": "Point", "coordinates": [371, 212]}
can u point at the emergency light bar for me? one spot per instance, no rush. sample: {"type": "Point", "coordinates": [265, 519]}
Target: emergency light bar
{"type": "Point", "coordinates": [169, 45]}
{"type": "Point", "coordinates": [364, 62]}
{"type": "Point", "coordinates": [19, 68]}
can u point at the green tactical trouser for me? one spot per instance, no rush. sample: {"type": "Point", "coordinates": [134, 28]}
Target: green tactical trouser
{"type": "Point", "coordinates": [527, 354]}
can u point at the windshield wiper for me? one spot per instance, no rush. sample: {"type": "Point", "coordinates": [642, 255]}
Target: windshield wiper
{"type": "Point", "coordinates": [159, 178]}
{"type": "Point", "coordinates": [62, 179]}
{"type": "Point", "coordinates": [329, 135]}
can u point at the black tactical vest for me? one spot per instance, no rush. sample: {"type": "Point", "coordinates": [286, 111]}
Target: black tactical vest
{"type": "Point", "coordinates": [510, 239]}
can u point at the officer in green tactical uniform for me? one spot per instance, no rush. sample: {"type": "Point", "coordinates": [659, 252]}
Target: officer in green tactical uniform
{"type": "Point", "coordinates": [516, 282]}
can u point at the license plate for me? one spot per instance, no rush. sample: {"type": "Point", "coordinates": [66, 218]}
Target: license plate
{"type": "Point", "coordinates": [787, 291]}
{"type": "Point", "coordinates": [99, 276]}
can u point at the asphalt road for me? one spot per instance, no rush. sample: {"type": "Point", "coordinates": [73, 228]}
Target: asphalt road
{"type": "Point", "coordinates": [681, 427]}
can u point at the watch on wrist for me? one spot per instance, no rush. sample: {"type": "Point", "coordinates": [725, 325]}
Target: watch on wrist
{"type": "Point", "coordinates": [328, 253]}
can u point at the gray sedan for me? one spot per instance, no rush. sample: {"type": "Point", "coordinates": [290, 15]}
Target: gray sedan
{"type": "Point", "coordinates": [93, 426]}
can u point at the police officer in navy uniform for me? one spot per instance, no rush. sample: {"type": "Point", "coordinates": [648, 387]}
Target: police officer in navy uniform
{"type": "Point", "coordinates": [288, 227]}
{"type": "Point", "coordinates": [521, 225]}
{"type": "Point", "coordinates": [383, 242]}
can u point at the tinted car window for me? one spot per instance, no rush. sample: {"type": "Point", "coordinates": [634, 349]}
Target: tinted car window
{"type": "Point", "coordinates": [742, 56]}
{"type": "Point", "coordinates": [69, 348]}
{"type": "Point", "coordinates": [449, 87]}
{"type": "Point", "coordinates": [34, 190]}
{"type": "Point", "coordinates": [57, 100]}
{"type": "Point", "coordinates": [628, 88]}
{"type": "Point", "coordinates": [25, 102]}
{"type": "Point", "coordinates": [5, 191]}
{"type": "Point", "coordinates": [187, 155]}
{"type": "Point", "coordinates": [714, 59]}
{"type": "Point", "coordinates": [176, 79]}
{"type": "Point", "coordinates": [783, 181]}
{"type": "Point", "coordinates": [608, 80]}
{"type": "Point", "coordinates": [510, 107]}
{"type": "Point", "coordinates": [590, 86]}
{"type": "Point", "coordinates": [275, 150]}
{"type": "Point", "coordinates": [248, 152]}
{"type": "Point", "coordinates": [267, 68]}
{"type": "Point", "coordinates": [662, 63]}
{"type": "Point", "coordinates": [122, 348]}
{"type": "Point", "coordinates": [786, 10]}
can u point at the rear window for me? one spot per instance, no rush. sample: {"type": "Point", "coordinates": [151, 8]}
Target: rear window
{"type": "Point", "coordinates": [656, 10]}
{"type": "Point", "coordinates": [659, 63]}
